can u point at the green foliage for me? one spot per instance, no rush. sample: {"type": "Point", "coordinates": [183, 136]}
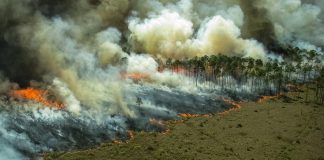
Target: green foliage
{"type": "Point", "coordinates": [299, 67]}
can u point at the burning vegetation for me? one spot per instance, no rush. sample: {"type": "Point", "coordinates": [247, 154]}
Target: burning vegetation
{"type": "Point", "coordinates": [235, 106]}
{"type": "Point", "coordinates": [188, 115]}
{"type": "Point", "coordinates": [266, 98]}
{"type": "Point", "coordinates": [118, 65]}
{"type": "Point", "coordinates": [136, 76]}
{"type": "Point", "coordinates": [37, 96]}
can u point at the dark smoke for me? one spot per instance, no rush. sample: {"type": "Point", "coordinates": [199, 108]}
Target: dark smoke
{"type": "Point", "coordinates": [79, 49]}
{"type": "Point", "coordinates": [257, 25]}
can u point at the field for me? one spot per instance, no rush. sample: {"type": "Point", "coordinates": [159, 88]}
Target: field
{"type": "Point", "coordinates": [281, 128]}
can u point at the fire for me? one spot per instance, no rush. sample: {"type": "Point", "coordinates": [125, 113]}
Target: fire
{"type": "Point", "coordinates": [117, 142]}
{"type": "Point", "coordinates": [266, 98]}
{"type": "Point", "coordinates": [131, 134]}
{"type": "Point", "coordinates": [234, 104]}
{"type": "Point", "coordinates": [136, 76]}
{"type": "Point", "coordinates": [180, 70]}
{"type": "Point", "coordinates": [36, 95]}
{"type": "Point", "coordinates": [188, 115]}
{"type": "Point", "coordinates": [156, 122]}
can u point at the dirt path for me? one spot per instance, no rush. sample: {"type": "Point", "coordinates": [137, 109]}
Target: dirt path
{"type": "Point", "coordinates": [270, 130]}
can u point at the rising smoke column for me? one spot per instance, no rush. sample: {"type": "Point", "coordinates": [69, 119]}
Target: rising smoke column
{"type": "Point", "coordinates": [169, 33]}
{"type": "Point", "coordinates": [296, 22]}
{"type": "Point", "coordinates": [61, 49]}
{"type": "Point", "coordinates": [76, 49]}
{"type": "Point", "coordinates": [197, 30]}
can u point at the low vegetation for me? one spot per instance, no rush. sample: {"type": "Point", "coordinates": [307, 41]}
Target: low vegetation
{"type": "Point", "coordinates": [281, 128]}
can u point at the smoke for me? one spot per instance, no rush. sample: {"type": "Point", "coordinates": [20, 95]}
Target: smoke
{"type": "Point", "coordinates": [73, 105]}
{"type": "Point", "coordinates": [166, 35]}
{"type": "Point", "coordinates": [307, 27]}
{"type": "Point", "coordinates": [171, 34]}
{"type": "Point", "coordinates": [4, 84]}
{"type": "Point", "coordinates": [90, 53]}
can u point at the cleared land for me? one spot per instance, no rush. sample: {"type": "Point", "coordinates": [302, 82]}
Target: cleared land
{"type": "Point", "coordinates": [281, 128]}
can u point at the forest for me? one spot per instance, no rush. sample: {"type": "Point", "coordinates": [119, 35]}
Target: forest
{"type": "Point", "coordinates": [297, 68]}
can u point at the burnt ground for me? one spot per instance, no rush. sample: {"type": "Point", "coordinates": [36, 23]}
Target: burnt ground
{"type": "Point", "coordinates": [283, 128]}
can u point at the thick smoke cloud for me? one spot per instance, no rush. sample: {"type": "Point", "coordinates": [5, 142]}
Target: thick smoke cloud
{"type": "Point", "coordinates": [283, 15]}
{"type": "Point", "coordinates": [171, 32]}
{"type": "Point", "coordinates": [46, 35]}
{"type": "Point", "coordinates": [84, 50]}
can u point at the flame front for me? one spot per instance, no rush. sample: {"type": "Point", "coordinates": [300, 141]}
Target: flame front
{"type": "Point", "coordinates": [266, 98]}
{"type": "Point", "coordinates": [180, 70]}
{"type": "Point", "coordinates": [234, 104]}
{"type": "Point", "coordinates": [188, 115]}
{"type": "Point", "coordinates": [36, 95]}
{"type": "Point", "coordinates": [135, 76]}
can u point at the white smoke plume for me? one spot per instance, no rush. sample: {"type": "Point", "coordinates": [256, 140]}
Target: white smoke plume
{"type": "Point", "coordinates": [170, 34]}
{"type": "Point", "coordinates": [73, 105]}
{"type": "Point", "coordinates": [294, 20]}
{"type": "Point", "coordinates": [86, 50]}
{"type": "Point", "coordinates": [4, 84]}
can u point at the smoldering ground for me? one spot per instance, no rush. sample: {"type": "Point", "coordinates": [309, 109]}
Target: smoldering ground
{"type": "Point", "coordinates": [77, 50]}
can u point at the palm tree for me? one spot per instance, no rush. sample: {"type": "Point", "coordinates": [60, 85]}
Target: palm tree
{"type": "Point", "coordinates": [160, 64]}
{"type": "Point", "coordinates": [230, 72]}
{"type": "Point", "coordinates": [268, 71]}
{"type": "Point", "coordinates": [320, 93]}
{"type": "Point", "coordinates": [168, 63]}
{"type": "Point", "coordinates": [139, 101]}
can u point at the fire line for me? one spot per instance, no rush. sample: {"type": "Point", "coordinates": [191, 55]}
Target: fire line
{"type": "Point", "coordinates": [36, 95]}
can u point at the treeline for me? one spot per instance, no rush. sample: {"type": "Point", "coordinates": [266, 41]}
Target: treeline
{"type": "Point", "coordinates": [297, 68]}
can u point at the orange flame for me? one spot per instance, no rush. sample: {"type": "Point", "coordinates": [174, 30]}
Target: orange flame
{"type": "Point", "coordinates": [180, 70]}
{"type": "Point", "coordinates": [234, 104]}
{"type": "Point", "coordinates": [266, 98]}
{"type": "Point", "coordinates": [188, 115]}
{"type": "Point", "coordinates": [131, 134]}
{"type": "Point", "coordinates": [36, 95]}
{"type": "Point", "coordinates": [117, 142]}
{"type": "Point", "coordinates": [135, 76]}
